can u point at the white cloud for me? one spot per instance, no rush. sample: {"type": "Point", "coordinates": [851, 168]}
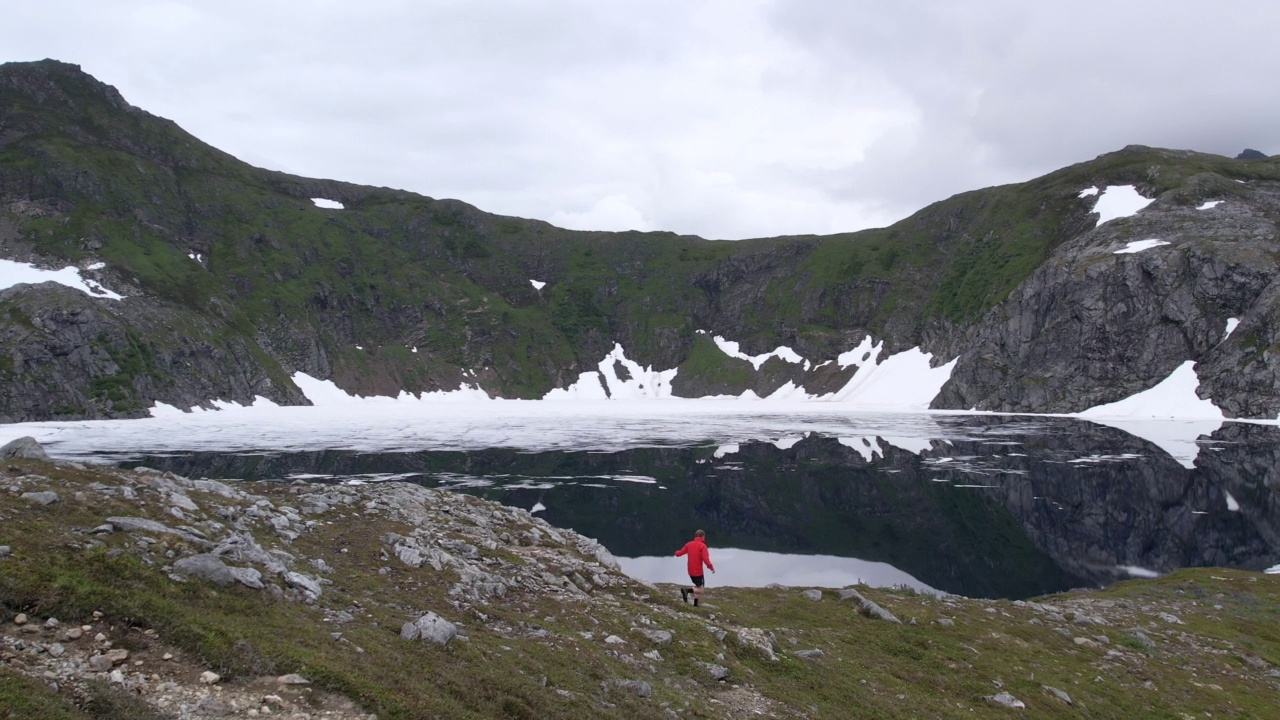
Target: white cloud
{"type": "Point", "coordinates": [725, 118]}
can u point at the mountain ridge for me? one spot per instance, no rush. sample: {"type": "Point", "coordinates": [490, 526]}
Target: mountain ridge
{"type": "Point", "coordinates": [436, 292]}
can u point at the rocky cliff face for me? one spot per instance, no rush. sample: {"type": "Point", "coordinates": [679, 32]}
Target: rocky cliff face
{"type": "Point", "coordinates": [1090, 326]}
{"type": "Point", "coordinates": [235, 280]}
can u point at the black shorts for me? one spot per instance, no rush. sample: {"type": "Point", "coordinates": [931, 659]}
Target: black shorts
{"type": "Point", "coordinates": [698, 580]}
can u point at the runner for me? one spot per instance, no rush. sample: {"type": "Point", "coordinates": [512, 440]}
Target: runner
{"type": "Point", "coordinates": [696, 549]}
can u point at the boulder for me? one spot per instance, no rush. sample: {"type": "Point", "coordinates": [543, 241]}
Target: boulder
{"type": "Point", "coordinates": [867, 607]}
{"type": "Point", "coordinates": [249, 577]}
{"type": "Point", "coordinates": [638, 687]}
{"type": "Point", "coordinates": [24, 447]}
{"type": "Point", "coordinates": [44, 497]}
{"type": "Point", "coordinates": [205, 567]}
{"type": "Point", "coordinates": [430, 628]}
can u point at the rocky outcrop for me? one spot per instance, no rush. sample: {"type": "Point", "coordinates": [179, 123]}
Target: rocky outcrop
{"type": "Point", "coordinates": [1091, 326]}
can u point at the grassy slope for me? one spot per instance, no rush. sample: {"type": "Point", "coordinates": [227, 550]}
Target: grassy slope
{"type": "Point", "coordinates": [868, 669]}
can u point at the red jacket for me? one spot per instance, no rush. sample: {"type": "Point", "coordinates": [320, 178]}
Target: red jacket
{"type": "Point", "coordinates": [696, 549]}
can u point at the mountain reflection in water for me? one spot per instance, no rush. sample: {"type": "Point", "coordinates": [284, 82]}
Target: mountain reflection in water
{"type": "Point", "coordinates": [989, 506]}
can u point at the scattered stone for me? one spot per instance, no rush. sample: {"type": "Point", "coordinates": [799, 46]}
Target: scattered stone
{"type": "Point", "coordinates": [867, 607]}
{"type": "Point", "coordinates": [639, 687]}
{"type": "Point", "coordinates": [946, 622]}
{"type": "Point", "coordinates": [307, 585]}
{"type": "Point", "coordinates": [100, 663]}
{"type": "Point", "coordinates": [205, 567]}
{"type": "Point", "coordinates": [1058, 694]}
{"type": "Point", "coordinates": [52, 623]}
{"type": "Point", "coordinates": [249, 577]}
{"type": "Point", "coordinates": [116, 656]}
{"type": "Point", "coordinates": [24, 447]}
{"type": "Point", "coordinates": [1085, 642]}
{"type": "Point", "coordinates": [813, 654]}
{"type": "Point", "coordinates": [757, 639]}
{"type": "Point", "coordinates": [292, 679]}
{"type": "Point", "coordinates": [20, 619]}
{"type": "Point", "coordinates": [662, 637]}
{"type": "Point", "coordinates": [1007, 700]}
{"type": "Point", "coordinates": [717, 672]}
{"type": "Point", "coordinates": [430, 628]}
{"type": "Point", "coordinates": [812, 594]}
{"type": "Point", "coordinates": [44, 497]}
{"type": "Point", "coordinates": [209, 677]}
{"type": "Point", "coordinates": [1169, 618]}
{"type": "Point", "coordinates": [615, 640]}
{"type": "Point", "coordinates": [5, 551]}
{"type": "Point", "coordinates": [74, 633]}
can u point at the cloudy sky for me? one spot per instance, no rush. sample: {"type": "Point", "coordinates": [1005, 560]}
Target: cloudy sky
{"type": "Point", "coordinates": [722, 118]}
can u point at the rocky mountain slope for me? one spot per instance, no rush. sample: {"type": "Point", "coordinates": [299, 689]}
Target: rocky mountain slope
{"type": "Point", "coordinates": [234, 280]}
{"type": "Point", "coordinates": [142, 594]}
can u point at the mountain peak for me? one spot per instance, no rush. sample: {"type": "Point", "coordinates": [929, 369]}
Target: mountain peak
{"type": "Point", "coordinates": [55, 81]}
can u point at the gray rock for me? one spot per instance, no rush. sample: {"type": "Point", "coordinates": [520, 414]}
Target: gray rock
{"type": "Point", "coordinates": [249, 577]}
{"type": "Point", "coordinates": [813, 654]}
{"type": "Point", "coordinates": [1058, 694]}
{"type": "Point", "coordinates": [100, 663]}
{"type": "Point", "coordinates": [205, 567]}
{"type": "Point", "coordinates": [946, 622]}
{"type": "Point", "coordinates": [867, 607]}
{"type": "Point", "coordinates": [1007, 700]}
{"type": "Point", "coordinates": [661, 637]}
{"type": "Point", "coordinates": [305, 583]}
{"type": "Point", "coordinates": [429, 628]}
{"type": "Point", "coordinates": [1169, 618]}
{"type": "Point", "coordinates": [292, 679]}
{"type": "Point", "coordinates": [717, 672]}
{"type": "Point", "coordinates": [44, 497]}
{"type": "Point", "coordinates": [756, 639]}
{"type": "Point", "coordinates": [1142, 638]}
{"type": "Point", "coordinates": [5, 551]}
{"type": "Point", "coordinates": [638, 687]}
{"type": "Point", "coordinates": [24, 447]}
{"type": "Point", "coordinates": [129, 524]}
{"type": "Point", "coordinates": [812, 594]}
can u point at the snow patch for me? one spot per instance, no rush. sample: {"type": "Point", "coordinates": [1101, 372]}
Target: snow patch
{"type": "Point", "coordinates": [537, 284]}
{"type": "Point", "coordinates": [732, 349]}
{"type": "Point", "coordinates": [1231, 327]}
{"type": "Point", "coordinates": [96, 266]}
{"type": "Point", "coordinates": [1138, 246]}
{"type": "Point", "coordinates": [326, 393]}
{"type": "Point", "coordinates": [327, 204]}
{"type": "Point", "coordinates": [1088, 192]}
{"type": "Point", "coordinates": [1119, 201]}
{"type": "Point", "coordinates": [1273, 570]}
{"type": "Point", "coordinates": [728, 449]}
{"type": "Point", "coordinates": [1209, 205]}
{"type": "Point", "coordinates": [1180, 416]}
{"type": "Point", "coordinates": [902, 382]}
{"type": "Point", "coordinates": [1232, 504]}
{"type": "Point", "coordinates": [195, 256]}
{"type": "Point", "coordinates": [16, 273]}
{"type": "Point", "coordinates": [1139, 572]}
{"type": "Point", "coordinates": [537, 507]}
{"type": "Point", "coordinates": [642, 383]}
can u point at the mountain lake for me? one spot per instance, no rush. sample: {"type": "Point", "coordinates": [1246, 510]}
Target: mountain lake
{"type": "Point", "coordinates": [802, 495]}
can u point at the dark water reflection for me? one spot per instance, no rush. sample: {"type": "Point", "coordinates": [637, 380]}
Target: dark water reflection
{"type": "Point", "coordinates": [1014, 509]}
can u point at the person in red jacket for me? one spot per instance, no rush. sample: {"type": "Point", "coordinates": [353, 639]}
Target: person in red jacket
{"type": "Point", "coordinates": [696, 549]}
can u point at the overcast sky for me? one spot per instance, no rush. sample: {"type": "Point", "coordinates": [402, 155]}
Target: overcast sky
{"type": "Point", "coordinates": [722, 118]}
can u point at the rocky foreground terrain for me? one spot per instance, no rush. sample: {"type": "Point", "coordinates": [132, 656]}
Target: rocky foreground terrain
{"type": "Point", "coordinates": [141, 594]}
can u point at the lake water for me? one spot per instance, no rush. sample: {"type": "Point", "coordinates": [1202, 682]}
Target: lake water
{"type": "Point", "coordinates": [980, 505]}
